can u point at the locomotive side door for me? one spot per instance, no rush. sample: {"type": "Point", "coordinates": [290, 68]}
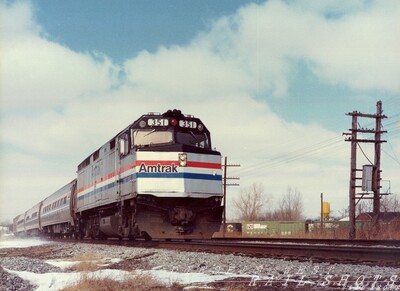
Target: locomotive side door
{"type": "Point", "coordinates": [122, 150]}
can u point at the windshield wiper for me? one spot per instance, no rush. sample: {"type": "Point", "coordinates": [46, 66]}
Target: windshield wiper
{"type": "Point", "coordinates": [150, 132]}
{"type": "Point", "coordinates": [195, 137]}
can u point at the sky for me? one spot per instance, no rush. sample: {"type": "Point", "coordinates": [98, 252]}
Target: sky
{"type": "Point", "coordinates": [272, 81]}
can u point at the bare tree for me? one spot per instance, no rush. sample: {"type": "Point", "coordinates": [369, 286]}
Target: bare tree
{"type": "Point", "coordinates": [364, 205]}
{"type": "Point", "coordinates": [290, 206]}
{"type": "Point", "coordinates": [344, 212]}
{"type": "Point", "coordinates": [390, 203]}
{"type": "Point", "coordinates": [250, 202]}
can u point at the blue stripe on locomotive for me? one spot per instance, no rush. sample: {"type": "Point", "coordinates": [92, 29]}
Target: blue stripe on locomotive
{"type": "Point", "coordinates": [151, 175]}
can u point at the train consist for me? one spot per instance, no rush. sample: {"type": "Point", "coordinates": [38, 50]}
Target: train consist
{"type": "Point", "coordinates": [157, 178]}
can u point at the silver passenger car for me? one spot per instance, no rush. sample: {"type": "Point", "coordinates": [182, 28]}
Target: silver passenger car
{"type": "Point", "coordinates": [18, 224]}
{"type": "Point", "coordinates": [55, 214]}
{"type": "Point", "coordinates": [32, 222]}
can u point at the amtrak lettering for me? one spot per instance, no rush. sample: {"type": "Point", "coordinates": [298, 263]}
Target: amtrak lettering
{"type": "Point", "coordinates": [158, 168]}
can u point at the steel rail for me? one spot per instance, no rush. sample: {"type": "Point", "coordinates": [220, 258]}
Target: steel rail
{"type": "Point", "coordinates": [360, 242]}
{"type": "Point", "coordinates": [355, 254]}
{"type": "Point", "coordinates": [384, 256]}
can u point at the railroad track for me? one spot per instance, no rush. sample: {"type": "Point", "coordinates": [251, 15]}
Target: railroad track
{"type": "Point", "coordinates": [343, 251]}
{"type": "Point", "coordinates": [359, 242]}
{"type": "Point", "coordinates": [377, 255]}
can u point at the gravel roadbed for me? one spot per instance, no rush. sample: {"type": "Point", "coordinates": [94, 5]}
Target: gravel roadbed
{"type": "Point", "coordinates": [251, 273]}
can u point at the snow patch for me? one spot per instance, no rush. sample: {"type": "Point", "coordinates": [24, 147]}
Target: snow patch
{"type": "Point", "coordinates": [21, 243]}
{"type": "Point", "coordinates": [57, 281]}
{"type": "Point", "coordinates": [168, 277]}
{"type": "Point", "coordinates": [62, 264]}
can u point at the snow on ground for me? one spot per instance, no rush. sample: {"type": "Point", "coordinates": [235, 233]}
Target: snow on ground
{"type": "Point", "coordinates": [168, 277]}
{"type": "Point", "coordinates": [169, 267]}
{"type": "Point", "coordinates": [58, 281]}
{"type": "Point", "coordinates": [13, 242]}
{"type": "Point", "coordinates": [62, 264]}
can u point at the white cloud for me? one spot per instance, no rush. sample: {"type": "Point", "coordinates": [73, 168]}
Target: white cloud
{"type": "Point", "coordinates": [181, 73]}
{"type": "Point", "coordinates": [17, 21]}
{"type": "Point", "coordinates": [360, 49]}
{"type": "Point", "coordinates": [59, 105]}
{"type": "Point", "coordinates": [40, 74]}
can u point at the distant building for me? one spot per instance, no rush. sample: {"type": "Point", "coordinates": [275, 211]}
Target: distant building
{"type": "Point", "coordinates": [383, 216]}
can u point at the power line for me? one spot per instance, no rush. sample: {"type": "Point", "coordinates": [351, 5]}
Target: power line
{"type": "Point", "coordinates": [364, 154]}
{"type": "Point", "coordinates": [394, 158]}
{"type": "Point", "coordinates": [308, 151]}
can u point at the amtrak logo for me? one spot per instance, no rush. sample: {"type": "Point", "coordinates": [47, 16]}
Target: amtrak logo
{"type": "Point", "coordinates": [158, 168]}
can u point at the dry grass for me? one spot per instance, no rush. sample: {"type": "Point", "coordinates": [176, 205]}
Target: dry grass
{"type": "Point", "coordinates": [133, 282]}
{"type": "Point", "coordinates": [87, 263]}
{"type": "Point", "coordinates": [90, 282]}
{"type": "Point", "coordinates": [387, 231]}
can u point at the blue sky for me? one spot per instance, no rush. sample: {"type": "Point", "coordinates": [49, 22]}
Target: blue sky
{"type": "Point", "coordinates": [121, 30]}
{"type": "Point", "coordinates": [272, 80]}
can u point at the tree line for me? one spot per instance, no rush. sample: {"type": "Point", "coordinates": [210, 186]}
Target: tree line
{"type": "Point", "coordinates": [253, 204]}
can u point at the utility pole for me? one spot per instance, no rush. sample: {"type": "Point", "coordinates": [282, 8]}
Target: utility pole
{"type": "Point", "coordinates": [376, 173]}
{"type": "Point", "coordinates": [225, 184]}
{"type": "Point", "coordinates": [322, 213]}
{"type": "Point", "coordinates": [376, 167]}
{"type": "Point", "coordinates": [353, 169]}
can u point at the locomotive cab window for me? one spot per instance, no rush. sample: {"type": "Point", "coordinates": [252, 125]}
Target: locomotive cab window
{"type": "Point", "coordinates": [146, 137]}
{"type": "Point", "coordinates": [199, 140]}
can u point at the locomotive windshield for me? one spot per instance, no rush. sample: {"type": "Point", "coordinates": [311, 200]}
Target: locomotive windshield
{"type": "Point", "coordinates": [199, 140]}
{"type": "Point", "coordinates": [145, 137]}
{"type": "Point", "coordinates": [172, 127]}
{"type": "Point", "coordinates": [150, 137]}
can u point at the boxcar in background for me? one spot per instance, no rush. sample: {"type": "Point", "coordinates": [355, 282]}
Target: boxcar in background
{"type": "Point", "coordinates": [276, 228]}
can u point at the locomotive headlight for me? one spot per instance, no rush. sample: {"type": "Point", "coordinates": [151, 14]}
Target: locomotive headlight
{"type": "Point", "coordinates": [182, 160]}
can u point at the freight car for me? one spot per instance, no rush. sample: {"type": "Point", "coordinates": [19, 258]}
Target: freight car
{"type": "Point", "coordinates": [157, 178]}
{"type": "Point", "coordinates": [264, 228]}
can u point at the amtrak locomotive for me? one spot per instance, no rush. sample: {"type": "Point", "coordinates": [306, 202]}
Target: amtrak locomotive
{"type": "Point", "coordinates": [157, 178]}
